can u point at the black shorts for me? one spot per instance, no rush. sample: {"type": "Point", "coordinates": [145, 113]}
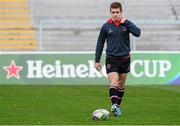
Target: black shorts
{"type": "Point", "coordinates": [118, 64]}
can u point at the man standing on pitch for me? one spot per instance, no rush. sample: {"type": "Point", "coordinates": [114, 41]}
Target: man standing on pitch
{"type": "Point", "coordinates": [116, 34]}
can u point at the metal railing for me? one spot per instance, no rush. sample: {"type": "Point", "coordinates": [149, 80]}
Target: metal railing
{"type": "Point", "coordinates": [96, 24]}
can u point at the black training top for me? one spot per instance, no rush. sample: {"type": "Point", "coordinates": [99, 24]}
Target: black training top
{"type": "Point", "coordinates": [117, 37]}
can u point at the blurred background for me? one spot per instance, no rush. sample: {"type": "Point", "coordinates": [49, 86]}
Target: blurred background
{"type": "Point", "coordinates": [52, 42]}
{"type": "Point", "coordinates": [73, 25]}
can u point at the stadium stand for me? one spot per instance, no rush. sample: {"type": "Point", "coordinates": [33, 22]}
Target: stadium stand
{"type": "Point", "coordinates": [16, 31]}
{"type": "Point", "coordinates": [154, 36]}
{"type": "Point", "coordinates": [55, 37]}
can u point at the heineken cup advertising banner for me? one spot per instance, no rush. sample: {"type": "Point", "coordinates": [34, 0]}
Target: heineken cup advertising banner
{"type": "Point", "coordinates": [77, 68]}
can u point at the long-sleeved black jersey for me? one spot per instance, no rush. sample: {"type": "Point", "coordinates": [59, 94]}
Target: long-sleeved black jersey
{"type": "Point", "coordinates": [117, 37]}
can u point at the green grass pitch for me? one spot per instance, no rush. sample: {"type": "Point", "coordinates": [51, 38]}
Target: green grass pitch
{"type": "Point", "coordinates": [73, 105]}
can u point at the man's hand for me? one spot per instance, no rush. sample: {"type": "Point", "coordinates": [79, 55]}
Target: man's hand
{"type": "Point", "coordinates": [98, 66]}
{"type": "Point", "coordinates": [123, 20]}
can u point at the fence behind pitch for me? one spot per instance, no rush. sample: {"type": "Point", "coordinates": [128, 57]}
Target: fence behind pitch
{"type": "Point", "coordinates": [81, 35]}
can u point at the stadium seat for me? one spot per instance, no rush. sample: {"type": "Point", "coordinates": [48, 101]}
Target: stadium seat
{"type": "Point", "coordinates": [154, 36]}
{"type": "Point", "coordinates": [16, 32]}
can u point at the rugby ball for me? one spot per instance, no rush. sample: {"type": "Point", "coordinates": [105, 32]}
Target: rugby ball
{"type": "Point", "coordinates": [100, 114]}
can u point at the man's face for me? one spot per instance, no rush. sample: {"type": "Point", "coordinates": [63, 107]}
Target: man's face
{"type": "Point", "coordinates": [115, 13]}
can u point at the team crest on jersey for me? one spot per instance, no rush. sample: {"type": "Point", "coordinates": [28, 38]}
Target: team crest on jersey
{"type": "Point", "coordinates": [124, 28]}
{"type": "Point", "coordinates": [110, 30]}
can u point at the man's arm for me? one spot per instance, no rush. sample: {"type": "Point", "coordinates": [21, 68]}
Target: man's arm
{"type": "Point", "coordinates": [100, 46]}
{"type": "Point", "coordinates": [131, 27]}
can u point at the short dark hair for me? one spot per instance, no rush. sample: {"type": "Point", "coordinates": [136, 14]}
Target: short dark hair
{"type": "Point", "coordinates": [116, 5]}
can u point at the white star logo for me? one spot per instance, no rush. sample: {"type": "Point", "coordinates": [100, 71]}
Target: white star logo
{"type": "Point", "coordinates": [13, 70]}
